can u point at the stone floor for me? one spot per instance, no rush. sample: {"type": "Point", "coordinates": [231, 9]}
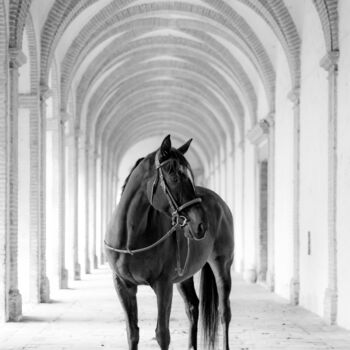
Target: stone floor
{"type": "Point", "coordinates": [88, 316]}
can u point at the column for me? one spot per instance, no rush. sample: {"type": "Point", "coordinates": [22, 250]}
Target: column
{"type": "Point", "coordinates": [259, 136]}
{"type": "Point", "coordinates": [294, 96]}
{"type": "Point", "coordinates": [83, 239]}
{"type": "Point", "coordinates": [45, 92]}
{"type": "Point", "coordinates": [77, 267]}
{"type": "Point", "coordinates": [70, 182]}
{"type": "Point", "coordinates": [63, 272]}
{"type": "Point", "coordinates": [270, 276]}
{"type": "Point", "coordinates": [87, 204]}
{"type": "Point", "coordinates": [330, 63]}
{"type": "Point", "coordinates": [14, 299]}
{"type": "Point", "coordinates": [93, 204]}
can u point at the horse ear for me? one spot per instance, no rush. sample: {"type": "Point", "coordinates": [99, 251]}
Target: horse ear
{"type": "Point", "coordinates": [184, 148]}
{"type": "Point", "coordinates": [165, 147]}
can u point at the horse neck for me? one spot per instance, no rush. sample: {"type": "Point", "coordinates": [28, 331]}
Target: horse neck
{"type": "Point", "coordinates": [133, 210]}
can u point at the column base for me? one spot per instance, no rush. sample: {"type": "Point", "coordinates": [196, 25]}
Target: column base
{"type": "Point", "coordinates": [87, 266]}
{"type": "Point", "coordinates": [262, 276]}
{"type": "Point", "coordinates": [330, 306]}
{"type": "Point", "coordinates": [95, 262]}
{"type": "Point", "coordinates": [45, 290]}
{"type": "Point", "coordinates": [77, 272]}
{"type": "Point", "coordinates": [270, 281]}
{"type": "Point", "coordinates": [64, 279]}
{"type": "Point", "coordinates": [14, 306]}
{"type": "Point", "coordinates": [294, 291]}
{"type": "Point", "coordinates": [250, 275]}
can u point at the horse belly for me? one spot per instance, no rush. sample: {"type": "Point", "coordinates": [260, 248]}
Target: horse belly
{"type": "Point", "coordinates": [199, 254]}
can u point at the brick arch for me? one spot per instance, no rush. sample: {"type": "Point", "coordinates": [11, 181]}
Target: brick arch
{"type": "Point", "coordinates": [147, 127]}
{"type": "Point", "coordinates": [277, 16]}
{"type": "Point", "coordinates": [33, 55]}
{"type": "Point", "coordinates": [189, 26]}
{"type": "Point", "coordinates": [184, 107]}
{"type": "Point", "coordinates": [18, 13]}
{"type": "Point", "coordinates": [152, 131]}
{"type": "Point", "coordinates": [186, 70]}
{"type": "Point", "coordinates": [328, 14]}
{"type": "Point", "coordinates": [189, 89]}
{"type": "Point", "coordinates": [142, 49]}
{"type": "Point", "coordinates": [60, 16]}
{"type": "Point", "coordinates": [235, 25]}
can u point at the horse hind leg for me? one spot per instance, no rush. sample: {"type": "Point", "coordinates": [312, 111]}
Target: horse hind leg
{"type": "Point", "coordinates": [127, 297]}
{"type": "Point", "coordinates": [221, 267]}
{"type": "Point", "coordinates": [188, 293]}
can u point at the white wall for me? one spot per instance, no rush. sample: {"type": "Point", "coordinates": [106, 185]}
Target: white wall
{"type": "Point", "coordinates": [283, 214]}
{"type": "Point", "coordinates": [313, 165]}
{"type": "Point", "coordinates": [343, 180]}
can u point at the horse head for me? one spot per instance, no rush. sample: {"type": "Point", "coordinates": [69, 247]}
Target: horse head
{"type": "Point", "coordinates": [171, 190]}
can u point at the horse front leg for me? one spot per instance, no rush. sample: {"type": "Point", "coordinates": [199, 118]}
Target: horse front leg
{"type": "Point", "coordinates": [188, 293]}
{"type": "Point", "coordinates": [164, 293]}
{"type": "Point", "coordinates": [127, 297]}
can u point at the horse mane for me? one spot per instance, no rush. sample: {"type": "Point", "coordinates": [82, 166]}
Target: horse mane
{"type": "Point", "coordinates": [131, 171]}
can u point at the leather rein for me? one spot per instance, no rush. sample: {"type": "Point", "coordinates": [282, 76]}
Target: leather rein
{"type": "Point", "coordinates": [178, 221]}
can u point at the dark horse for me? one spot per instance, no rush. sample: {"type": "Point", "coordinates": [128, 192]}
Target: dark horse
{"type": "Point", "coordinates": [163, 231]}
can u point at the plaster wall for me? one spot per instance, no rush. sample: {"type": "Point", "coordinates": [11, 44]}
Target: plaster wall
{"type": "Point", "coordinates": [249, 211]}
{"type": "Point", "coordinates": [343, 180]}
{"type": "Point", "coordinates": [283, 230]}
{"type": "Point", "coordinates": [313, 165]}
{"type": "Point", "coordinates": [238, 212]}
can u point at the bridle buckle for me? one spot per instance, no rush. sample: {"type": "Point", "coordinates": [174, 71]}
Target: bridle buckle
{"type": "Point", "coordinates": [179, 220]}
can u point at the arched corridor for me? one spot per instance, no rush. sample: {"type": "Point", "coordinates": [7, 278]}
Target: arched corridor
{"type": "Point", "coordinates": [88, 87]}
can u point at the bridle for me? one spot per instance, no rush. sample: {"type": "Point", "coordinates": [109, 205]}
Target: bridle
{"type": "Point", "coordinates": [178, 221]}
{"type": "Point", "coordinates": [175, 208]}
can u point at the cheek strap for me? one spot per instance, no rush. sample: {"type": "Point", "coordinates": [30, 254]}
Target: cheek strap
{"type": "Point", "coordinates": [154, 186]}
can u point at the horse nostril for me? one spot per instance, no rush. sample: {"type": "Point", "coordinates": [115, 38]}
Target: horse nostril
{"type": "Point", "coordinates": [201, 229]}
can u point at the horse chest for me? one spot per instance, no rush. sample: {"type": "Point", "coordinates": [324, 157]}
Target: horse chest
{"type": "Point", "coordinates": [141, 268]}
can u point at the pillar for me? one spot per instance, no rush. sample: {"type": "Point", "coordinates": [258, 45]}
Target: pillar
{"type": "Point", "coordinates": [44, 281]}
{"type": "Point", "coordinates": [77, 267]}
{"type": "Point", "coordinates": [69, 207]}
{"type": "Point", "coordinates": [330, 64]}
{"type": "Point", "coordinates": [62, 272]}
{"type": "Point", "coordinates": [259, 136]}
{"type": "Point", "coordinates": [294, 96]}
{"type": "Point", "coordinates": [270, 276]}
{"type": "Point", "coordinates": [14, 299]}
{"type": "Point", "coordinates": [86, 205]}
{"type": "Point", "coordinates": [93, 204]}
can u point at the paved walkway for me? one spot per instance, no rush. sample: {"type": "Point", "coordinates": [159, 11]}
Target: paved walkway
{"type": "Point", "coordinates": [88, 316]}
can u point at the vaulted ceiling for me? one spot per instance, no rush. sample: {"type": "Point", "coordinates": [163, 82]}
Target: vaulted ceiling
{"type": "Point", "coordinates": [141, 68]}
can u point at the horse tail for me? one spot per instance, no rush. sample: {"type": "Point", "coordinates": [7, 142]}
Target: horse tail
{"type": "Point", "coordinates": [209, 306]}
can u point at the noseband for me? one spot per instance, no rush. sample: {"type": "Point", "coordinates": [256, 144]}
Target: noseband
{"type": "Point", "coordinates": [177, 218]}
{"type": "Point", "coordinates": [178, 221]}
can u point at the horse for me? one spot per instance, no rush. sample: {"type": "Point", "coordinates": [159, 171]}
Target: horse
{"type": "Point", "coordinates": [163, 231]}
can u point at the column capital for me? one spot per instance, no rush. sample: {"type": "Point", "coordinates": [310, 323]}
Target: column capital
{"type": "Point", "coordinates": [260, 131]}
{"type": "Point", "coordinates": [65, 116]}
{"type": "Point", "coordinates": [330, 61]}
{"type": "Point", "coordinates": [16, 58]}
{"type": "Point", "coordinates": [45, 92]}
{"type": "Point", "coordinates": [294, 95]}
